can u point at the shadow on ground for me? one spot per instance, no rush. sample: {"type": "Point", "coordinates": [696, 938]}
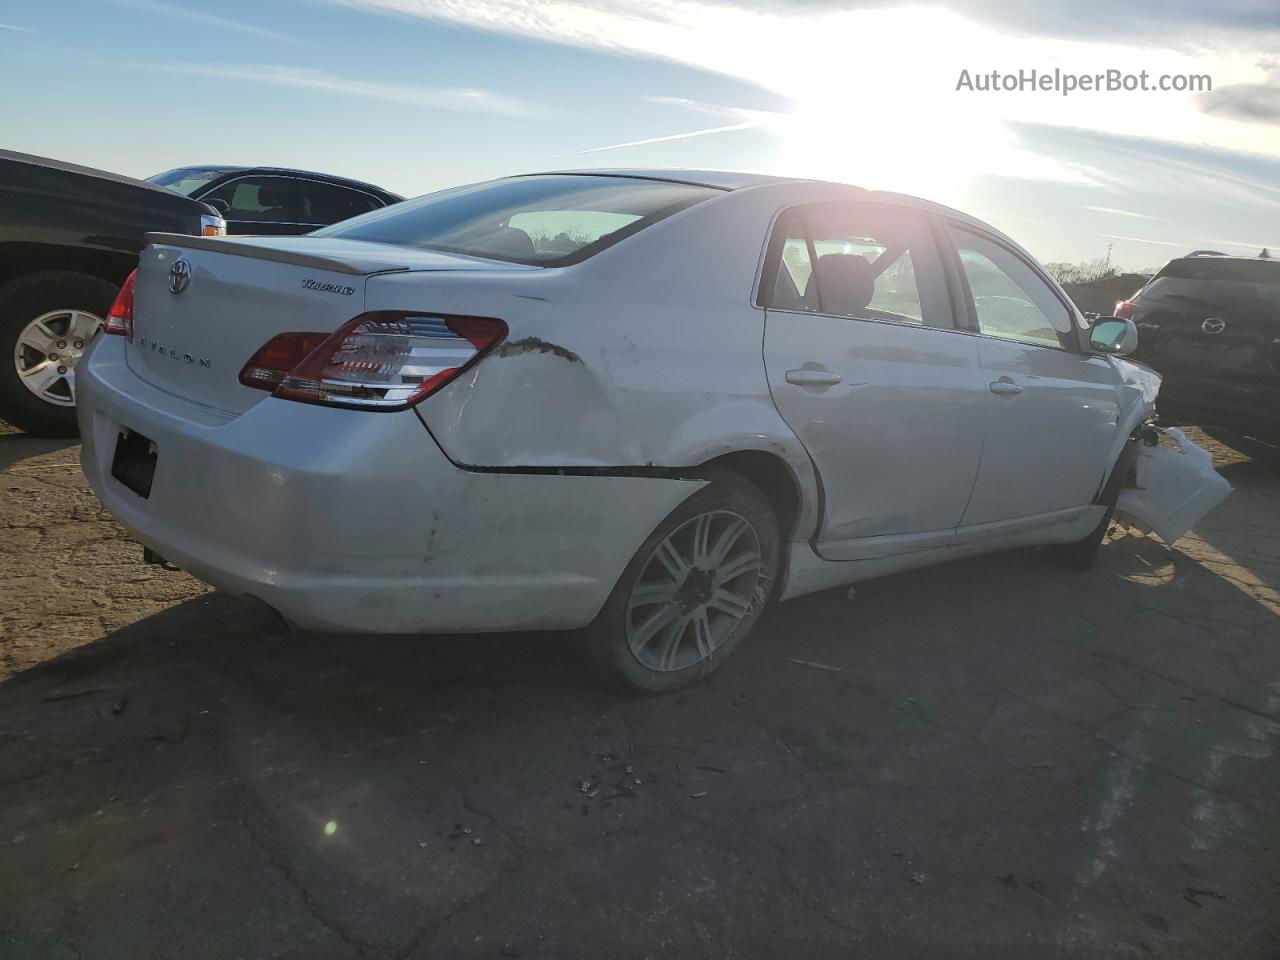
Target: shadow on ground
{"type": "Point", "coordinates": [16, 447]}
{"type": "Point", "coordinates": [991, 759]}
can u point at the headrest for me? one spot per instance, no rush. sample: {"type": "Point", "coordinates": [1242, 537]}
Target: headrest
{"type": "Point", "coordinates": [511, 242]}
{"type": "Point", "coordinates": [273, 196]}
{"type": "Point", "coordinates": [844, 281]}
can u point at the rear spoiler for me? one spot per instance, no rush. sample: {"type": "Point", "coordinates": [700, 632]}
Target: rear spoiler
{"type": "Point", "coordinates": [254, 248]}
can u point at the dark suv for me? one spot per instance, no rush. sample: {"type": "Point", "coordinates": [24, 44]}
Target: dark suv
{"type": "Point", "coordinates": [274, 200]}
{"type": "Point", "coordinates": [1210, 324]}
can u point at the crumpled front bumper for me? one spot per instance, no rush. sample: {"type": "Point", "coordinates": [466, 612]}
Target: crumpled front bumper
{"type": "Point", "coordinates": [1175, 488]}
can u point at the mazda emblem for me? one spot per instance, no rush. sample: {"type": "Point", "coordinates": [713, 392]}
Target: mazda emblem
{"type": "Point", "coordinates": [1213, 325]}
{"type": "Point", "coordinates": [179, 276]}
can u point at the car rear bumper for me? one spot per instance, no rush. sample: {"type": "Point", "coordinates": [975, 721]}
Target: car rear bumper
{"type": "Point", "coordinates": [354, 521]}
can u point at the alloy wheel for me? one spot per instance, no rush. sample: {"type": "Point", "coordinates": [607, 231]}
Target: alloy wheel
{"type": "Point", "coordinates": [697, 586]}
{"type": "Point", "coordinates": [48, 349]}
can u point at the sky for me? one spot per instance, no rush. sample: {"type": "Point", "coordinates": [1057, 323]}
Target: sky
{"type": "Point", "coordinates": [415, 95]}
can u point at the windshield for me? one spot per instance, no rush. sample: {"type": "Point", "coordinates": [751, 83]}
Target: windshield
{"type": "Point", "coordinates": [545, 220]}
{"type": "Point", "coordinates": [187, 180]}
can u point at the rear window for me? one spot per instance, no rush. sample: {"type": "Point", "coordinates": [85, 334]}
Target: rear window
{"type": "Point", "coordinates": [1213, 268]}
{"type": "Point", "coordinates": [544, 220]}
{"type": "Point", "coordinates": [1210, 283]}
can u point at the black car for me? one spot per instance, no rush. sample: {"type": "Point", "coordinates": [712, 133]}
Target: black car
{"type": "Point", "coordinates": [275, 200]}
{"type": "Point", "coordinates": [1210, 324]}
{"type": "Point", "coordinates": [69, 236]}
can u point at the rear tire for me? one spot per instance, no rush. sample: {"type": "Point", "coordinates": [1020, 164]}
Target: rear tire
{"type": "Point", "coordinates": [68, 299]}
{"type": "Point", "coordinates": [692, 592]}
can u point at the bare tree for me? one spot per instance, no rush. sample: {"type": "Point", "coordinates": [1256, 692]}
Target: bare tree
{"type": "Point", "coordinates": [1087, 272]}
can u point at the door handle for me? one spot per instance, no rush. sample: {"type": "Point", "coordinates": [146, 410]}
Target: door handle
{"type": "Point", "coordinates": [1005, 388]}
{"type": "Point", "coordinates": [813, 378]}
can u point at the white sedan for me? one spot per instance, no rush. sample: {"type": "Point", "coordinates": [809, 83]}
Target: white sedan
{"type": "Point", "coordinates": [642, 403]}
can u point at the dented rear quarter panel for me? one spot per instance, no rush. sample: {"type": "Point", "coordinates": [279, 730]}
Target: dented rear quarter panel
{"type": "Point", "coordinates": [647, 355]}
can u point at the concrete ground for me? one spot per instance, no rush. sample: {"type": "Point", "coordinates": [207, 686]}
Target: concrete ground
{"type": "Point", "coordinates": [995, 758]}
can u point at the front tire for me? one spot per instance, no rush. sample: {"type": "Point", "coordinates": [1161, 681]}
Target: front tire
{"type": "Point", "coordinates": [47, 321]}
{"type": "Point", "coordinates": [1083, 554]}
{"type": "Point", "coordinates": [692, 592]}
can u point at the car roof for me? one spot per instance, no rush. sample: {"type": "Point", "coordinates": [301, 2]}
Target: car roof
{"type": "Point", "coordinates": [736, 180]}
{"type": "Point", "coordinates": [241, 170]}
{"type": "Point", "coordinates": [1204, 257]}
{"type": "Point", "coordinates": [720, 179]}
{"type": "Point", "coordinates": [730, 180]}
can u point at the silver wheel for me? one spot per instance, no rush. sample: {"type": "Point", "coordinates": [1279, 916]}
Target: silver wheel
{"type": "Point", "coordinates": [48, 349]}
{"type": "Point", "coordinates": [696, 587]}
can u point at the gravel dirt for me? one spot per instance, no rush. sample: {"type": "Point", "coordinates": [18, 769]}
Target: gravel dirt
{"type": "Point", "coordinates": [994, 758]}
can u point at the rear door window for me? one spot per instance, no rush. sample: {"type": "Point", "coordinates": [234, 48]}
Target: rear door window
{"type": "Point", "coordinates": [326, 203]}
{"type": "Point", "coordinates": [866, 261]}
{"type": "Point", "coordinates": [260, 199]}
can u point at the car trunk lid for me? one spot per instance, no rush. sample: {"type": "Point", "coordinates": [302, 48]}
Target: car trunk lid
{"type": "Point", "coordinates": [204, 306]}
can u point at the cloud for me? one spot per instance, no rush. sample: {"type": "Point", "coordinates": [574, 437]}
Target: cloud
{"type": "Point", "coordinates": [1177, 21]}
{"type": "Point", "coordinates": [1164, 172]}
{"type": "Point", "coordinates": [1183, 23]}
{"type": "Point", "coordinates": [1248, 102]}
{"type": "Point", "coordinates": [466, 99]}
{"type": "Point", "coordinates": [206, 19]}
{"type": "Point", "coordinates": [10, 26]}
{"type": "Point", "coordinates": [879, 118]}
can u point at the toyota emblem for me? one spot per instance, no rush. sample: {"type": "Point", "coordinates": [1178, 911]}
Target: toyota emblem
{"type": "Point", "coordinates": [1211, 325]}
{"type": "Point", "coordinates": [179, 276]}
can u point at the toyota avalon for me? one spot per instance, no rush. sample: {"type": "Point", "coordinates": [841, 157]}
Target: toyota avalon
{"type": "Point", "coordinates": [642, 405]}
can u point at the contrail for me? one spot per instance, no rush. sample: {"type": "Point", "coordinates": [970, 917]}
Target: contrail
{"type": "Point", "coordinates": [674, 136]}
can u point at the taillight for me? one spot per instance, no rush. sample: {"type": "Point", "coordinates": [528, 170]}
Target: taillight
{"type": "Point", "coordinates": [277, 357]}
{"type": "Point", "coordinates": [1128, 310]}
{"type": "Point", "coordinates": [120, 316]}
{"type": "Point", "coordinates": [384, 360]}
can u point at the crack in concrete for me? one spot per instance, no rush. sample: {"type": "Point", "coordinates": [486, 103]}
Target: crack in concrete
{"type": "Point", "coordinates": [304, 894]}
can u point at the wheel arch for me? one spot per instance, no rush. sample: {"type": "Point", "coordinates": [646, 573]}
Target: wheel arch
{"type": "Point", "coordinates": [775, 479]}
{"type": "Point", "coordinates": [19, 260]}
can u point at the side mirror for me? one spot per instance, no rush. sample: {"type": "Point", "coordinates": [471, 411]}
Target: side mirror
{"type": "Point", "coordinates": [221, 206]}
{"type": "Point", "coordinates": [1113, 335]}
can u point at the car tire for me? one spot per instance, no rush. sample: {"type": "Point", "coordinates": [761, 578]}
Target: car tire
{"type": "Point", "coordinates": [1083, 554]}
{"type": "Point", "coordinates": [693, 591]}
{"type": "Point", "coordinates": [83, 298]}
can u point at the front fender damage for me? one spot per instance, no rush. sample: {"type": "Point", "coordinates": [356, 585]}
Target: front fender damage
{"type": "Point", "coordinates": [1174, 486]}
